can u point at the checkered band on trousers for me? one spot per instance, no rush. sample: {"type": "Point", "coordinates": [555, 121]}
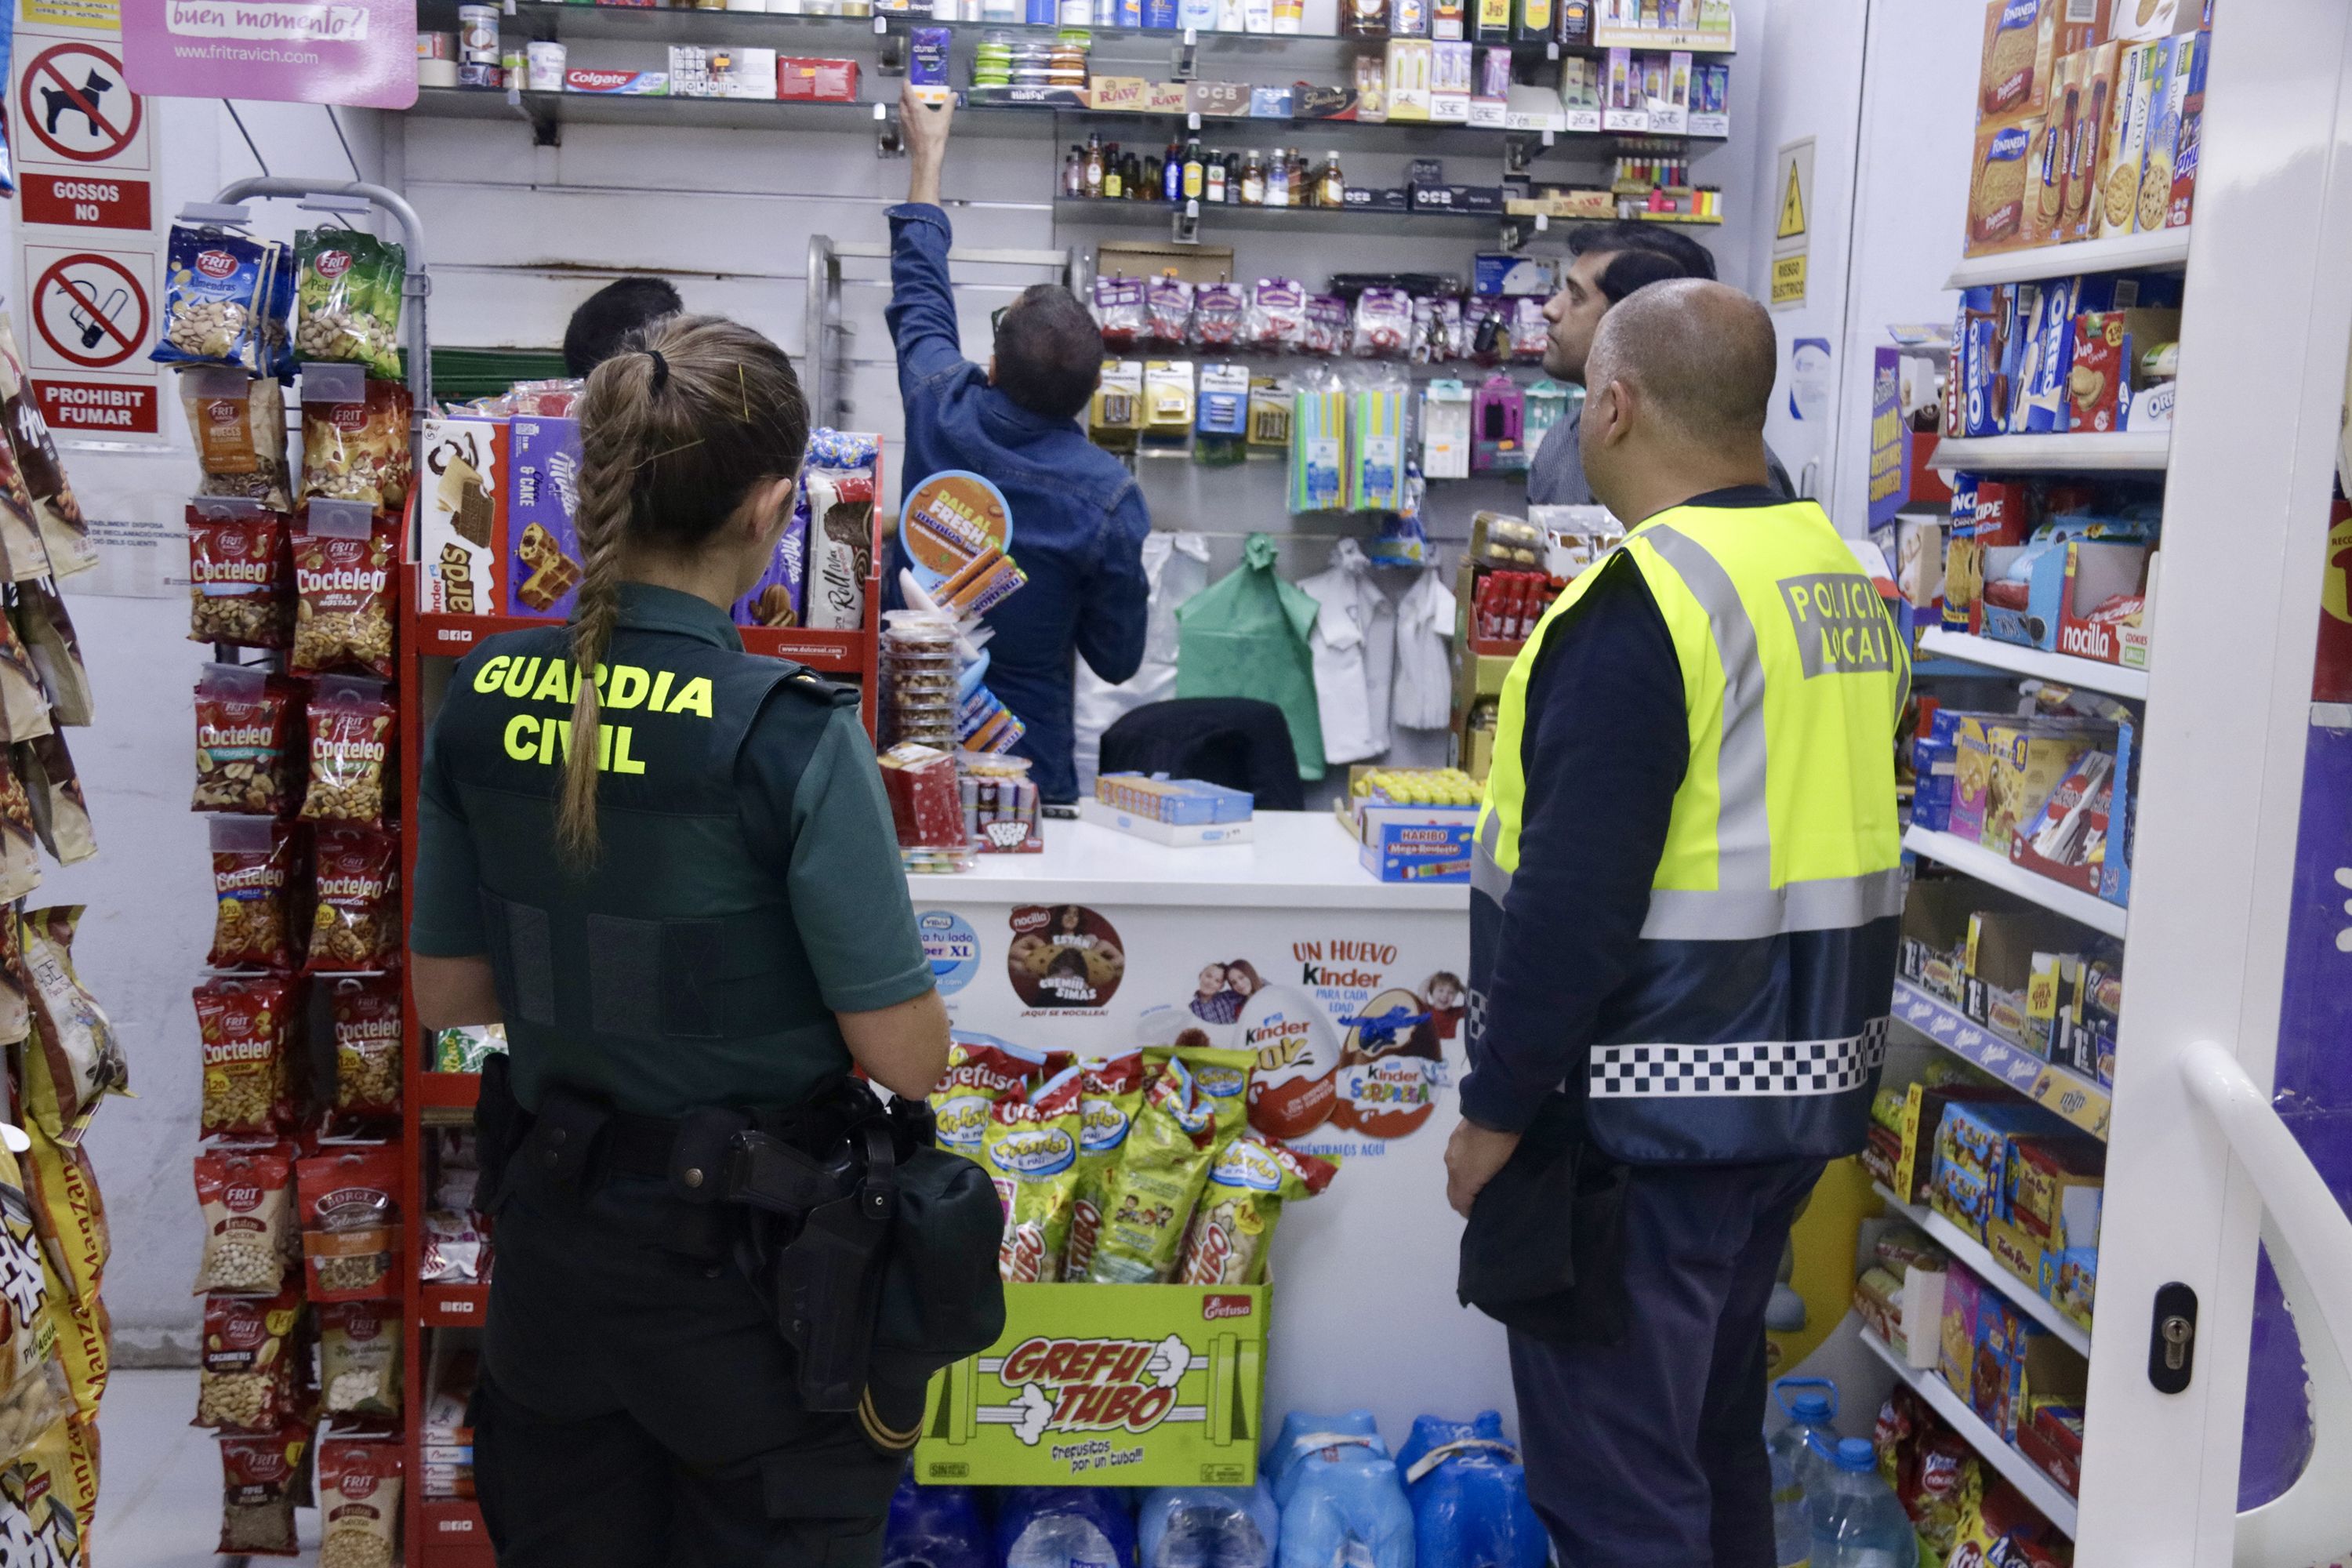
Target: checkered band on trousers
{"type": "Point", "coordinates": [1746, 1067]}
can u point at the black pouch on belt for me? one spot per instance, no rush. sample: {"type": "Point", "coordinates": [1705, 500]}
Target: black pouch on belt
{"type": "Point", "coordinates": [498, 1127]}
{"type": "Point", "coordinates": [1543, 1252]}
{"type": "Point", "coordinates": [554, 1155]}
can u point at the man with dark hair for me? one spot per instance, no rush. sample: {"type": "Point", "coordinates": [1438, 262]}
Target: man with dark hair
{"type": "Point", "coordinates": [1608, 261]}
{"type": "Point", "coordinates": [1685, 898]}
{"type": "Point", "coordinates": [607, 318]}
{"type": "Point", "coordinates": [1079, 516]}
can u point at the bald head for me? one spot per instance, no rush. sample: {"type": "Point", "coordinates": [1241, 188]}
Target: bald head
{"type": "Point", "coordinates": [1679, 378]}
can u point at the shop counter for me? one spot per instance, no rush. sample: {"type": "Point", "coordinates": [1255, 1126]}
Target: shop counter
{"type": "Point", "coordinates": [1350, 993]}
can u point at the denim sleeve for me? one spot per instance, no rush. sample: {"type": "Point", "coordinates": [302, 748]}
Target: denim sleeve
{"type": "Point", "coordinates": [922, 312]}
{"type": "Point", "coordinates": [1113, 612]}
{"type": "Point", "coordinates": [1604, 749]}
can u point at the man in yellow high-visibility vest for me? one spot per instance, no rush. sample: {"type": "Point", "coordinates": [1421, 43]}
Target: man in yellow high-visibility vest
{"type": "Point", "coordinates": [1683, 911]}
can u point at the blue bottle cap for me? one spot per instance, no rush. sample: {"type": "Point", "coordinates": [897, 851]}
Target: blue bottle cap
{"type": "Point", "coordinates": [1856, 1454]}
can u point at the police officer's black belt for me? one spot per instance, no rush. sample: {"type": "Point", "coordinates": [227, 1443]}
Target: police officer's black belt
{"type": "Point", "coordinates": [719, 1155]}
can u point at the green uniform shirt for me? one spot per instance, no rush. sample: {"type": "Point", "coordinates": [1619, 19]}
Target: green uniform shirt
{"type": "Point", "coordinates": [812, 815]}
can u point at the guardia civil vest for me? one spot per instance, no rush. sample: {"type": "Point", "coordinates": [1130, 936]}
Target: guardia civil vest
{"type": "Point", "coordinates": [1753, 1023]}
{"type": "Point", "coordinates": [672, 975]}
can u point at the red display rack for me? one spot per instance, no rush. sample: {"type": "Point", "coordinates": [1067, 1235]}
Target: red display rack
{"type": "Point", "coordinates": [442, 1532]}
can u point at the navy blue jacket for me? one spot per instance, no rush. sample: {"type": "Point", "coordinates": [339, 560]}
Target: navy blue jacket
{"type": "Point", "coordinates": [1078, 518]}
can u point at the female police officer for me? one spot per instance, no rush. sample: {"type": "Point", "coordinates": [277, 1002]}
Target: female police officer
{"type": "Point", "coordinates": [676, 882]}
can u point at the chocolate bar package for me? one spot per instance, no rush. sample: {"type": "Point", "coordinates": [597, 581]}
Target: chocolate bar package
{"type": "Point", "coordinates": [543, 558]}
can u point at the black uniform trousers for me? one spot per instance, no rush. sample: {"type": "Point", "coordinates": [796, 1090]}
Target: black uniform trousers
{"type": "Point", "coordinates": [1649, 1452]}
{"type": "Point", "coordinates": [636, 1407]}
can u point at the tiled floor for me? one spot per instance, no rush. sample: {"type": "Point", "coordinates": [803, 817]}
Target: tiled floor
{"type": "Point", "coordinates": [159, 1486]}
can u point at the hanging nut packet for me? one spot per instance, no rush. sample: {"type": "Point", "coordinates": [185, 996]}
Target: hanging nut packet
{"type": "Point", "coordinates": [248, 1198]}
{"type": "Point", "coordinates": [253, 876]}
{"type": "Point", "coordinates": [351, 1223]}
{"type": "Point", "coordinates": [342, 586]}
{"type": "Point", "coordinates": [240, 579]}
{"type": "Point", "coordinates": [247, 1028]}
{"type": "Point", "coordinates": [356, 882]}
{"type": "Point", "coordinates": [246, 755]}
{"type": "Point", "coordinates": [351, 726]}
{"type": "Point", "coordinates": [81, 1059]}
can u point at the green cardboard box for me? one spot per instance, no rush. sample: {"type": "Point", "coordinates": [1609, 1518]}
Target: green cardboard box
{"type": "Point", "coordinates": [1120, 1386]}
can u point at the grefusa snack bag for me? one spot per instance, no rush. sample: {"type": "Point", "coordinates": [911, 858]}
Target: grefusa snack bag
{"type": "Point", "coordinates": [1030, 1150]}
{"type": "Point", "coordinates": [1111, 1095]}
{"type": "Point", "coordinates": [1221, 1077]}
{"type": "Point", "coordinates": [982, 1074]}
{"type": "Point", "coordinates": [1152, 1191]}
{"type": "Point", "coordinates": [1250, 1180]}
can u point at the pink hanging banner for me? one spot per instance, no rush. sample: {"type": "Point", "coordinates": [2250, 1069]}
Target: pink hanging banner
{"type": "Point", "coordinates": [361, 53]}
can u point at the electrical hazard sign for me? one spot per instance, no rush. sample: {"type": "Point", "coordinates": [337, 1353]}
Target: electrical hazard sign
{"type": "Point", "coordinates": [1792, 240]}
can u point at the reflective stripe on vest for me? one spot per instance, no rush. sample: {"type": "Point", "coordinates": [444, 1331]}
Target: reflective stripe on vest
{"type": "Point", "coordinates": [1806, 744]}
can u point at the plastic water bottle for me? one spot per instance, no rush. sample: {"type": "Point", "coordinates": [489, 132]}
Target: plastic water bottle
{"type": "Point", "coordinates": [1058, 1527]}
{"type": "Point", "coordinates": [1799, 1470]}
{"type": "Point", "coordinates": [1857, 1521]}
{"type": "Point", "coordinates": [1209, 1527]}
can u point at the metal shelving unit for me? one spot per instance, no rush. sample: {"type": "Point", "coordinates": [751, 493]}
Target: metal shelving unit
{"type": "Point", "coordinates": [1988, 866]}
{"type": "Point", "coordinates": [2072, 452]}
{"type": "Point", "coordinates": [2020, 1472]}
{"type": "Point", "coordinates": [2164, 251]}
{"type": "Point", "coordinates": [2090, 674]}
{"type": "Point", "coordinates": [2081, 1101]}
{"type": "Point", "coordinates": [1985, 1267]}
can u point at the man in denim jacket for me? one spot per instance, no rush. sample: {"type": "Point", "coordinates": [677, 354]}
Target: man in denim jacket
{"type": "Point", "coordinates": [1079, 516]}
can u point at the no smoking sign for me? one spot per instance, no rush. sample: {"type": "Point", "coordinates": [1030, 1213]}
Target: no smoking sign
{"type": "Point", "coordinates": [90, 309]}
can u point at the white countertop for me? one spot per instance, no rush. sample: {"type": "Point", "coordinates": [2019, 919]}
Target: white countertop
{"type": "Point", "coordinates": [1299, 859]}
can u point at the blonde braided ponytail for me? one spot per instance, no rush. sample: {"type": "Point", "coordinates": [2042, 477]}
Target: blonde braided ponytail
{"type": "Point", "coordinates": [675, 431]}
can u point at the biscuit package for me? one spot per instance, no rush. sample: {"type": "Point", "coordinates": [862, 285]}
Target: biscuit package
{"type": "Point", "coordinates": [2020, 43]}
{"type": "Point", "coordinates": [253, 884]}
{"type": "Point", "coordinates": [80, 1060]}
{"type": "Point", "coordinates": [343, 584]}
{"type": "Point", "coordinates": [247, 1028]}
{"type": "Point", "coordinates": [2126, 138]}
{"type": "Point", "coordinates": [359, 1496]}
{"type": "Point", "coordinates": [1110, 1093]}
{"type": "Point", "coordinates": [351, 728]}
{"type": "Point", "coordinates": [1251, 1179]}
{"type": "Point", "coordinates": [245, 1380]}
{"type": "Point", "coordinates": [248, 1198]}
{"type": "Point", "coordinates": [544, 500]}
{"type": "Point", "coordinates": [2178, 71]}
{"type": "Point", "coordinates": [2089, 96]}
{"type": "Point", "coordinates": [366, 1014]}
{"type": "Point", "coordinates": [461, 518]}
{"type": "Point", "coordinates": [1997, 186]}
{"type": "Point", "coordinates": [356, 883]}
{"type": "Point", "coordinates": [1030, 1150]}
{"type": "Point", "coordinates": [1149, 1200]}
{"type": "Point", "coordinates": [351, 1222]}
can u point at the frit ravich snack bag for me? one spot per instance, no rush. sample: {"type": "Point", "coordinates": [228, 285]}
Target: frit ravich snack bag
{"type": "Point", "coordinates": [248, 1198]}
{"type": "Point", "coordinates": [982, 1074]}
{"type": "Point", "coordinates": [247, 1381]}
{"type": "Point", "coordinates": [80, 1060]}
{"type": "Point", "coordinates": [1152, 1191]}
{"type": "Point", "coordinates": [1111, 1094]}
{"type": "Point", "coordinates": [259, 1477]}
{"type": "Point", "coordinates": [359, 1501]}
{"type": "Point", "coordinates": [1031, 1151]}
{"type": "Point", "coordinates": [1252, 1178]}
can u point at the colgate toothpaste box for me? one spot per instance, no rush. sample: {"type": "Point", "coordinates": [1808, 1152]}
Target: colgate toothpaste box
{"type": "Point", "coordinates": [627, 84]}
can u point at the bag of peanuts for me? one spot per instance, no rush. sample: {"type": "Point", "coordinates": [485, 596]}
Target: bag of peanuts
{"type": "Point", "coordinates": [359, 1486]}
{"type": "Point", "coordinates": [351, 1222]}
{"type": "Point", "coordinates": [80, 1060]}
{"type": "Point", "coordinates": [253, 880]}
{"type": "Point", "coordinates": [247, 1197]}
{"type": "Point", "coordinates": [348, 287]}
{"type": "Point", "coordinates": [246, 1380]}
{"type": "Point", "coordinates": [240, 579]}
{"type": "Point", "coordinates": [366, 1013]}
{"type": "Point", "coordinates": [343, 587]}
{"type": "Point", "coordinates": [239, 424]}
{"type": "Point", "coordinates": [359, 451]}
{"type": "Point", "coordinates": [356, 877]}
{"type": "Point", "coordinates": [260, 1479]}
{"type": "Point", "coordinates": [20, 835]}
{"type": "Point", "coordinates": [359, 1358]}
{"type": "Point", "coordinates": [246, 754]}
{"type": "Point", "coordinates": [213, 278]}
{"type": "Point", "coordinates": [351, 726]}
{"type": "Point", "coordinates": [247, 1028]}
{"type": "Point", "coordinates": [53, 788]}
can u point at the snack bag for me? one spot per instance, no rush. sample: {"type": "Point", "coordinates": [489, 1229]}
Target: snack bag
{"type": "Point", "coordinates": [351, 1222]}
{"type": "Point", "coordinates": [53, 789]}
{"type": "Point", "coordinates": [253, 867]}
{"type": "Point", "coordinates": [356, 881]}
{"type": "Point", "coordinates": [24, 705]}
{"type": "Point", "coordinates": [351, 728]}
{"type": "Point", "coordinates": [48, 1494]}
{"type": "Point", "coordinates": [245, 747]}
{"type": "Point", "coordinates": [359, 1501]}
{"type": "Point", "coordinates": [1221, 1077]}
{"type": "Point", "coordinates": [260, 1478]}
{"type": "Point", "coordinates": [358, 1359]}
{"type": "Point", "coordinates": [247, 1379]}
{"type": "Point", "coordinates": [246, 1027]}
{"type": "Point", "coordinates": [359, 451]}
{"type": "Point", "coordinates": [32, 1385]}
{"type": "Point", "coordinates": [210, 278]}
{"type": "Point", "coordinates": [342, 586]}
{"type": "Point", "coordinates": [56, 515]}
{"type": "Point", "coordinates": [80, 1060]}
{"type": "Point", "coordinates": [1111, 1093]}
{"type": "Point", "coordinates": [1149, 1198]}
{"type": "Point", "coordinates": [42, 624]}
{"type": "Point", "coordinates": [68, 1215]}
{"type": "Point", "coordinates": [20, 860]}
{"type": "Point", "coordinates": [347, 299]}
{"type": "Point", "coordinates": [1251, 1179]}
{"type": "Point", "coordinates": [240, 580]}
{"type": "Point", "coordinates": [982, 1074]}
{"type": "Point", "coordinates": [1031, 1151]}
{"type": "Point", "coordinates": [239, 426]}
{"type": "Point", "coordinates": [367, 1029]}
{"type": "Point", "coordinates": [23, 554]}
{"type": "Point", "coordinates": [248, 1198]}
